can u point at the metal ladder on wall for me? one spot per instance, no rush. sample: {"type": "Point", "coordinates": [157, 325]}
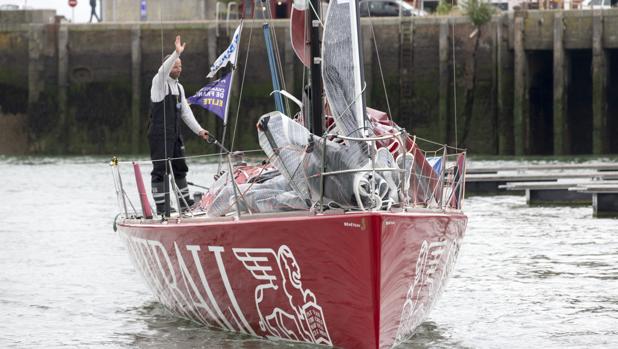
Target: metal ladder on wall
{"type": "Point", "coordinates": [231, 12]}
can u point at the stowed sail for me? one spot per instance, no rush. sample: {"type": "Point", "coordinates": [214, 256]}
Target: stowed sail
{"type": "Point", "coordinates": [299, 156]}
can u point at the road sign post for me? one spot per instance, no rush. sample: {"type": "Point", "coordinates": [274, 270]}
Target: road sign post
{"type": "Point", "coordinates": [73, 3]}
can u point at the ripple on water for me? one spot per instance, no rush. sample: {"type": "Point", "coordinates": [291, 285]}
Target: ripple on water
{"type": "Point", "coordinates": [527, 277]}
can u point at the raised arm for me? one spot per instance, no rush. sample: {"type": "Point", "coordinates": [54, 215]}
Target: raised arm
{"type": "Point", "coordinates": [167, 65]}
{"type": "Point", "coordinates": [158, 90]}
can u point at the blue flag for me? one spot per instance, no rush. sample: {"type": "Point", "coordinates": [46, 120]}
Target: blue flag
{"type": "Point", "coordinates": [214, 96]}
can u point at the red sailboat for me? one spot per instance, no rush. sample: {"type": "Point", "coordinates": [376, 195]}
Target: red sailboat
{"type": "Point", "coordinates": [346, 253]}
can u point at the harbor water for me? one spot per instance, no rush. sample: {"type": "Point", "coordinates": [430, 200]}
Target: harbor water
{"type": "Point", "coordinates": [527, 277]}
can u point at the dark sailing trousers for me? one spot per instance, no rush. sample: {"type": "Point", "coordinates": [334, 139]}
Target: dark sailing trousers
{"type": "Point", "coordinates": [175, 151]}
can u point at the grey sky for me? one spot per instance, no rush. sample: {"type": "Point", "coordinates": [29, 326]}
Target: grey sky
{"type": "Point", "coordinates": [82, 10]}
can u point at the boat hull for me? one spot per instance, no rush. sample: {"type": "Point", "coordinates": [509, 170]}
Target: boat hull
{"type": "Point", "coordinates": [363, 280]}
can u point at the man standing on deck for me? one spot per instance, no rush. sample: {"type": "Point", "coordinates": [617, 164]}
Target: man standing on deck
{"type": "Point", "coordinates": [168, 106]}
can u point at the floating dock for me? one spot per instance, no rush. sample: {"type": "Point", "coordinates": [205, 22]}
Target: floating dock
{"type": "Point", "coordinates": [604, 197]}
{"type": "Point", "coordinates": [552, 184]}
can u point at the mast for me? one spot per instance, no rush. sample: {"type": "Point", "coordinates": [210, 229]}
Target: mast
{"type": "Point", "coordinates": [316, 70]}
{"type": "Point", "coordinates": [274, 76]}
{"type": "Point", "coordinates": [270, 51]}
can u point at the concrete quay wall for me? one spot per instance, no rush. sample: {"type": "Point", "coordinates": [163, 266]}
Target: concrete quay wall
{"type": "Point", "coordinates": [533, 82]}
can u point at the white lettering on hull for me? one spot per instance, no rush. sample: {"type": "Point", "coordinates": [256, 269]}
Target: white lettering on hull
{"type": "Point", "coordinates": [172, 286]}
{"type": "Point", "coordinates": [228, 288]}
{"type": "Point", "coordinates": [189, 283]}
{"type": "Point", "coordinates": [194, 249]}
{"type": "Point", "coordinates": [292, 312]}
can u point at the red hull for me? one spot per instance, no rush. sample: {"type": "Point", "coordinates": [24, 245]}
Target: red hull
{"type": "Point", "coordinates": [363, 280]}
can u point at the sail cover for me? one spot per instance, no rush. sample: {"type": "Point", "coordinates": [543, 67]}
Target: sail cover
{"type": "Point", "coordinates": [299, 156]}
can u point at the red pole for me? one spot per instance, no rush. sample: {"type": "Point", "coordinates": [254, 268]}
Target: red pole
{"type": "Point", "coordinates": [143, 198]}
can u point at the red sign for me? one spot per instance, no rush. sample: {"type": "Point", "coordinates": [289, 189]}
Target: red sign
{"type": "Point", "coordinates": [72, 3]}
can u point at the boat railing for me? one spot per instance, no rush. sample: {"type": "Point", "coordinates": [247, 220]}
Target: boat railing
{"type": "Point", "coordinates": [438, 179]}
{"type": "Point", "coordinates": [122, 197]}
{"type": "Point", "coordinates": [438, 186]}
{"type": "Point", "coordinates": [432, 179]}
{"type": "Point", "coordinates": [133, 186]}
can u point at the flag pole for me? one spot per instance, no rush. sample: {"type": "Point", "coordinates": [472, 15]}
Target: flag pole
{"type": "Point", "coordinates": [227, 107]}
{"type": "Point", "coordinates": [227, 101]}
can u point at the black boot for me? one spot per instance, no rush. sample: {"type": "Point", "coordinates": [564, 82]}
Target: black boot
{"type": "Point", "coordinates": [160, 195]}
{"type": "Point", "coordinates": [185, 201]}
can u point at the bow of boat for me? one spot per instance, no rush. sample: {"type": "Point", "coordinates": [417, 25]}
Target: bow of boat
{"type": "Point", "coordinates": [362, 280]}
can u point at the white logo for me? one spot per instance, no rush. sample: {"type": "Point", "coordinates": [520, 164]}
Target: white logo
{"type": "Point", "coordinates": [427, 284]}
{"type": "Point", "coordinates": [300, 318]}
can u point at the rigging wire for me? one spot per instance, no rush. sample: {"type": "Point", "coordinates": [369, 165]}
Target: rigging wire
{"type": "Point", "coordinates": [316, 14]}
{"type": "Point", "coordinates": [440, 144]}
{"type": "Point", "coordinates": [211, 155]}
{"type": "Point", "coordinates": [166, 185]}
{"type": "Point", "coordinates": [356, 98]}
{"type": "Point", "coordinates": [375, 44]}
{"type": "Point", "coordinates": [164, 80]}
{"type": "Point", "coordinates": [454, 84]}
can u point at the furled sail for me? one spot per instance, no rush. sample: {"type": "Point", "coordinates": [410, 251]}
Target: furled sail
{"type": "Point", "coordinates": [341, 68]}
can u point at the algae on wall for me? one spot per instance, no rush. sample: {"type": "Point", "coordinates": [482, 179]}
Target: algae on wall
{"type": "Point", "coordinates": [100, 103]}
{"type": "Point", "coordinates": [99, 116]}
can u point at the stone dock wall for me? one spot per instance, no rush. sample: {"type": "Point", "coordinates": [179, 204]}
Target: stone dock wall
{"type": "Point", "coordinates": [527, 83]}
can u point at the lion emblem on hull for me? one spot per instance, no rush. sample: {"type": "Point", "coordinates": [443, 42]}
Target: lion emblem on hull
{"type": "Point", "coordinates": [434, 262]}
{"type": "Point", "coordinates": [286, 309]}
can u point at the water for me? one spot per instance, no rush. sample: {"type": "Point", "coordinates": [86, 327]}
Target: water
{"type": "Point", "coordinates": [526, 277]}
